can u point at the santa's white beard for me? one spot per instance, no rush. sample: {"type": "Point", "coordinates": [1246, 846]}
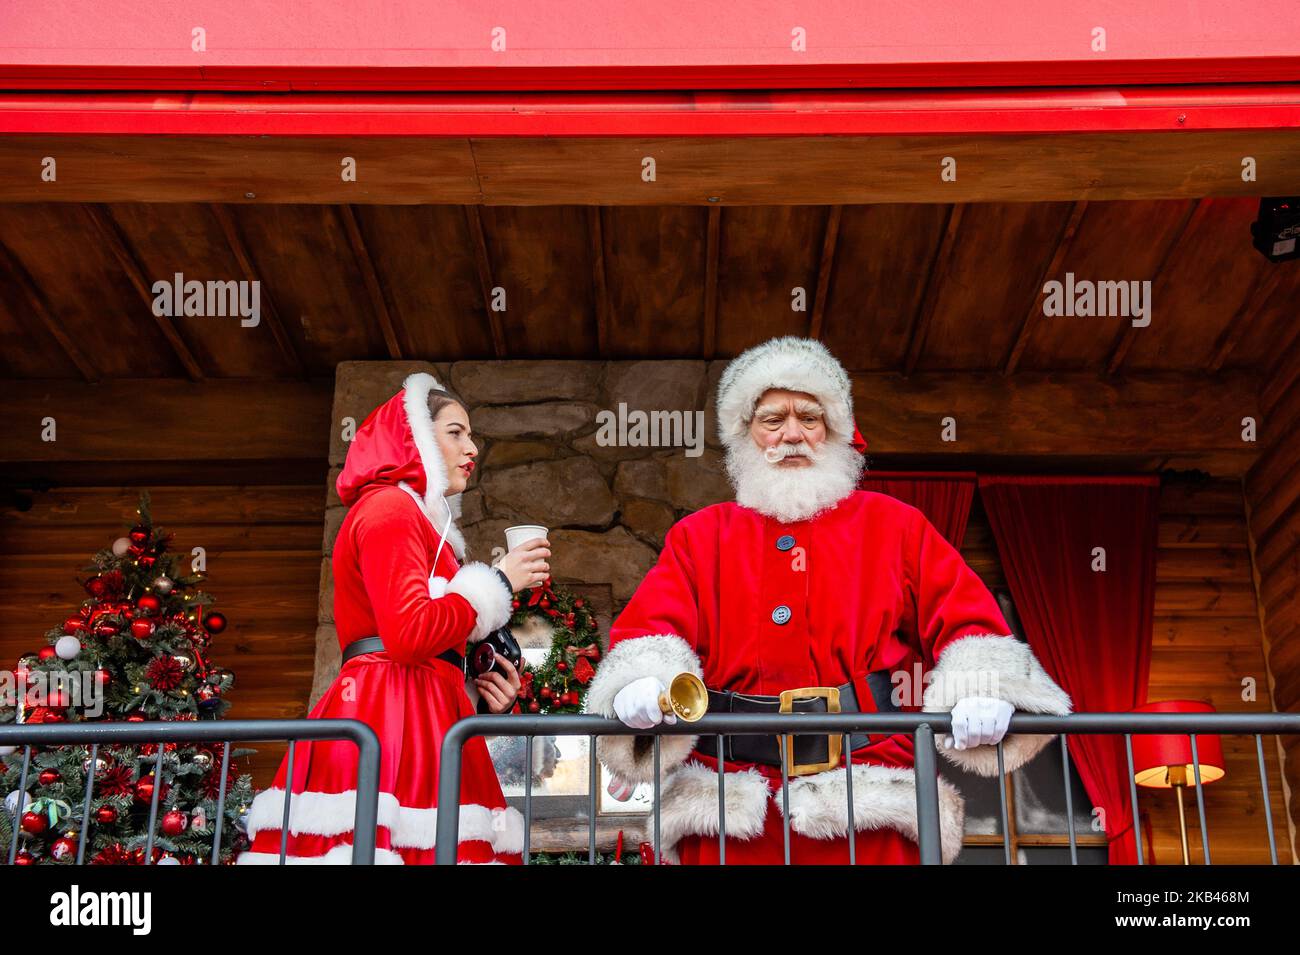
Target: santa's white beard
{"type": "Point", "coordinates": [791, 494]}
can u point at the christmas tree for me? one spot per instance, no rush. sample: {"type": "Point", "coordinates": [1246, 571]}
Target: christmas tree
{"type": "Point", "coordinates": [136, 650]}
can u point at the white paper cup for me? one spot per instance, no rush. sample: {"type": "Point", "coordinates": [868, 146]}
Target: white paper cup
{"type": "Point", "coordinates": [522, 533]}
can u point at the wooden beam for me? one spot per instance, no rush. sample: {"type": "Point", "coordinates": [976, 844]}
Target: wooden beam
{"type": "Point", "coordinates": [478, 243]}
{"type": "Point", "coordinates": [936, 273]}
{"type": "Point", "coordinates": [371, 280]}
{"type": "Point", "coordinates": [112, 237]}
{"type": "Point", "coordinates": [36, 304]}
{"type": "Point", "coordinates": [711, 251]}
{"type": "Point", "coordinates": [1063, 244]}
{"type": "Point", "coordinates": [813, 170]}
{"type": "Point", "coordinates": [238, 248]}
{"type": "Point", "coordinates": [218, 420]}
{"type": "Point", "coordinates": [1057, 414]}
{"type": "Point", "coordinates": [825, 266]}
{"type": "Point", "coordinates": [595, 233]}
{"type": "Point", "coordinates": [1125, 339]}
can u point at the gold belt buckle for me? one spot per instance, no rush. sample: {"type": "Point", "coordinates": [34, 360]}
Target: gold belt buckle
{"type": "Point", "coordinates": [834, 741]}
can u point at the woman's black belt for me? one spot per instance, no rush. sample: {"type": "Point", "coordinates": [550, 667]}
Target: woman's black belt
{"type": "Point", "coordinates": [376, 645]}
{"type": "Point", "coordinates": [809, 751]}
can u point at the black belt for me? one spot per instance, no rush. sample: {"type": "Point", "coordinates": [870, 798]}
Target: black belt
{"type": "Point", "coordinates": [807, 749]}
{"type": "Point", "coordinates": [376, 645]}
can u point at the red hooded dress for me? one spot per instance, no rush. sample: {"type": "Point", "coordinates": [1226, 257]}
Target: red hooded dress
{"type": "Point", "coordinates": [397, 576]}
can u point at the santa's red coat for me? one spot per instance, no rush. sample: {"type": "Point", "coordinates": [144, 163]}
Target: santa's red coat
{"type": "Point", "coordinates": [757, 606]}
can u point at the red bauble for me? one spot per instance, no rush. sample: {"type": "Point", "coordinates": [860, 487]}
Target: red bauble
{"type": "Point", "coordinates": [562, 667]}
{"type": "Point", "coordinates": [534, 707]}
{"type": "Point", "coordinates": [579, 604]}
{"type": "Point", "coordinates": [34, 823]}
{"type": "Point", "coordinates": [96, 587]}
{"type": "Point", "coordinates": [514, 604]}
{"type": "Point", "coordinates": [64, 848]}
{"type": "Point", "coordinates": [139, 535]}
{"type": "Point", "coordinates": [106, 815]}
{"type": "Point", "coordinates": [24, 858]}
{"type": "Point", "coordinates": [46, 653]}
{"type": "Point", "coordinates": [74, 625]}
{"type": "Point", "coordinates": [141, 628]}
{"type": "Point", "coordinates": [146, 561]}
{"type": "Point", "coordinates": [102, 677]}
{"type": "Point", "coordinates": [174, 823]}
{"type": "Point", "coordinates": [214, 622]}
{"type": "Point", "coordinates": [148, 603]}
{"type": "Point", "coordinates": [136, 717]}
{"type": "Point", "coordinates": [144, 789]}
{"type": "Point", "coordinates": [49, 777]}
{"type": "Point", "coordinates": [547, 693]}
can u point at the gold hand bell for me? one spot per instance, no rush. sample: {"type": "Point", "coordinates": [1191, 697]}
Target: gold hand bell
{"type": "Point", "coordinates": [686, 697]}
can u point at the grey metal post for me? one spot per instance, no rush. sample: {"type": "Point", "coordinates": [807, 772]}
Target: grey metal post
{"type": "Point", "coordinates": [926, 770]}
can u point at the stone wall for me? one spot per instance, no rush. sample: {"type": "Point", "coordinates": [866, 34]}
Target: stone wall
{"type": "Point", "coordinates": [542, 461]}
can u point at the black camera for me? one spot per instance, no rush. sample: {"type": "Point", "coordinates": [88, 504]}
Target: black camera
{"type": "Point", "coordinates": [482, 657]}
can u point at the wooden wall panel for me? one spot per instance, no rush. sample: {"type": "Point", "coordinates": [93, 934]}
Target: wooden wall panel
{"type": "Point", "coordinates": [765, 252]}
{"type": "Point", "coordinates": [263, 548]}
{"type": "Point", "coordinates": [989, 282]}
{"type": "Point", "coordinates": [426, 268]}
{"type": "Point", "coordinates": [1273, 496]}
{"type": "Point", "coordinates": [1204, 282]}
{"type": "Point", "coordinates": [318, 288]}
{"type": "Point", "coordinates": [882, 267]}
{"type": "Point", "coordinates": [655, 266]}
{"type": "Point", "coordinates": [187, 238]}
{"type": "Point", "coordinates": [1206, 640]}
{"type": "Point", "coordinates": [541, 257]}
{"type": "Point", "coordinates": [86, 291]}
{"type": "Point", "coordinates": [1115, 241]}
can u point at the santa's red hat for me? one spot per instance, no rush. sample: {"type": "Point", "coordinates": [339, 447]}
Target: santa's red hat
{"type": "Point", "coordinates": [791, 364]}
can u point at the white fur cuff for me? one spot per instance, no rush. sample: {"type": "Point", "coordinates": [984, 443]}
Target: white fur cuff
{"type": "Point", "coordinates": [663, 656]}
{"type": "Point", "coordinates": [490, 598]}
{"type": "Point", "coordinates": [1004, 668]}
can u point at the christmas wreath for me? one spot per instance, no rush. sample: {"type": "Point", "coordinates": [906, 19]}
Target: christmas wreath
{"type": "Point", "coordinates": [559, 684]}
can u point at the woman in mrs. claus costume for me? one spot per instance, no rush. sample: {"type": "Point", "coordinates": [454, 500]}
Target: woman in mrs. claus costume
{"type": "Point", "coordinates": [398, 577]}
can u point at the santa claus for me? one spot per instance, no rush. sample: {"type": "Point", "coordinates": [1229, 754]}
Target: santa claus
{"type": "Point", "coordinates": [806, 582]}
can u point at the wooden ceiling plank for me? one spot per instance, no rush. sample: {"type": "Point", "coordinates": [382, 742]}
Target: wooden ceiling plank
{"type": "Point", "coordinates": [113, 239]}
{"type": "Point", "coordinates": [369, 276]}
{"type": "Point", "coordinates": [36, 304]}
{"type": "Point", "coordinates": [1124, 341]}
{"type": "Point", "coordinates": [478, 243]}
{"type": "Point", "coordinates": [711, 252]}
{"type": "Point", "coordinates": [1265, 285]}
{"type": "Point", "coordinates": [239, 249]}
{"type": "Point", "coordinates": [595, 233]}
{"type": "Point", "coordinates": [936, 272]}
{"type": "Point", "coordinates": [825, 267]}
{"type": "Point", "coordinates": [1063, 245]}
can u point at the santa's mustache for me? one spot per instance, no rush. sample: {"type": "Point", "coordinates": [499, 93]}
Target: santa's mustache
{"type": "Point", "coordinates": [779, 452]}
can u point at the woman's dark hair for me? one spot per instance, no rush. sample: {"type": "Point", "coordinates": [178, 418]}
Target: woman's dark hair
{"type": "Point", "coordinates": [439, 399]}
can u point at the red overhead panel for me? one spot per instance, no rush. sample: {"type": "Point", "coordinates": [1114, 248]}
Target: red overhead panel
{"type": "Point", "coordinates": [658, 45]}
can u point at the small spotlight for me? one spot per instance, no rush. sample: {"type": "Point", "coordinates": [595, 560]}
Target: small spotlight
{"type": "Point", "coordinates": [1276, 230]}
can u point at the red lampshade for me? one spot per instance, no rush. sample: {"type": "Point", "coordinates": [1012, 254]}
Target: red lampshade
{"type": "Point", "coordinates": [1154, 753]}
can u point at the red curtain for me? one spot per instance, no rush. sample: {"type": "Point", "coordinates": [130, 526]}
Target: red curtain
{"type": "Point", "coordinates": [1090, 629]}
{"type": "Point", "coordinates": [943, 497]}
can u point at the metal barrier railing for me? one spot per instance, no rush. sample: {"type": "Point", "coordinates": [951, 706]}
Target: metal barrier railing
{"type": "Point", "coordinates": [922, 727]}
{"type": "Point", "coordinates": [366, 817]}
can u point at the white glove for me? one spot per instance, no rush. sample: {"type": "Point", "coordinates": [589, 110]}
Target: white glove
{"type": "Point", "coordinates": [978, 721]}
{"type": "Point", "coordinates": [637, 704]}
